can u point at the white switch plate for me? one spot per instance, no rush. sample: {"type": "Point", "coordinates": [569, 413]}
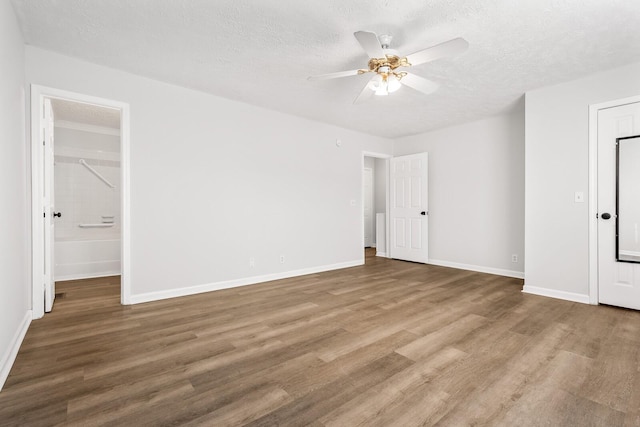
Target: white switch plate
{"type": "Point", "coordinates": [353, 202]}
{"type": "Point", "coordinates": [579, 197]}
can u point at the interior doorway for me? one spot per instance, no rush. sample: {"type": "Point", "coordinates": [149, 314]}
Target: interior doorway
{"type": "Point", "coordinates": [369, 206]}
{"type": "Point", "coordinates": [375, 202]}
{"type": "Point", "coordinates": [80, 188]}
{"type": "Point", "coordinates": [86, 183]}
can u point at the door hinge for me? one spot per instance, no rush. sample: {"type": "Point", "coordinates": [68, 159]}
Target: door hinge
{"type": "Point", "coordinates": [43, 143]}
{"type": "Point", "coordinates": [44, 214]}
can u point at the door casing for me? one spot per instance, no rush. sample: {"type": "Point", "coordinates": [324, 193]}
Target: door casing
{"type": "Point", "coordinates": [38, 95]}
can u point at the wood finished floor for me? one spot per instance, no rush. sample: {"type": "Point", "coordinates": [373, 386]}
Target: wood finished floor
{"type": "Point", "coordinates": [388, 343]}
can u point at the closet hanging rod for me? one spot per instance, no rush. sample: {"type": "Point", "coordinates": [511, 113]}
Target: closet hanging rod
{"type": "Point", "coordinates": [96, 173]}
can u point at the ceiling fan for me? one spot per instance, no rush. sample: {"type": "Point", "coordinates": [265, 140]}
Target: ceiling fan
{"type": "Point", "coordinates": [386, 64]}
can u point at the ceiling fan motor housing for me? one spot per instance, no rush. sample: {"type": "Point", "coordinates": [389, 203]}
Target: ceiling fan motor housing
{"type": "Point", "coordinates": [390, 61]}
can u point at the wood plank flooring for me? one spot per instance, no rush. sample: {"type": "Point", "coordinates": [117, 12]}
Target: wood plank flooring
{"type": "Point", "coordinates": [389, 343]}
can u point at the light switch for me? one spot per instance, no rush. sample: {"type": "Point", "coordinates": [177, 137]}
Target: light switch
{"type": "Point", "coordinates": [353, 202]}
{"type": "Point", "coordinates": [579, 197]}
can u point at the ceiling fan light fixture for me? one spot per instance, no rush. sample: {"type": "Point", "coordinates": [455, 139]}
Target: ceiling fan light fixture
{"type": "Point", "coordinates": [393, 83]}
{"type": "Point", "coordinates": [386, 65]}
{"type": "Point", "coordinates": [381, 87]}
{"type": "Point", "coordinates": [382, 90]}
{"type": "Point", "coordinates": [376, 82]}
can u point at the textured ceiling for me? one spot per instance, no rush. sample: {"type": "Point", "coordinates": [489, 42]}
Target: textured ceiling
{"type": "Point", "coordinates": [86, 114]}
{"type": "Point", "coordinates": [261, 52]}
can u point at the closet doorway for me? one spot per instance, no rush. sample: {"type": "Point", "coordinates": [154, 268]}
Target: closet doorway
{"type": "Point", "coordinates": [375, 175]}
{"type": "Point", "coordinates": [80, 191]}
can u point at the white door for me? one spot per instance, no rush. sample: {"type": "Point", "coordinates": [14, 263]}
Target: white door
{"type": "Point", "coordinates": [409, 209]}
{"type": "Point", "coordinates": [368, 207]}
{"type": "Point", "coordinates": [618, 282]}
{"type": "Point", "coordinates": [48, 204]}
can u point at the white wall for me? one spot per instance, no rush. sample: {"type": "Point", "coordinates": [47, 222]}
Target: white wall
{"type": "Point", "coordinates": [15, 288]}
{"type": "Point", "coordinates": [370, 162]}
{"type": "Point", "coordinates": [557, 228]}
{"type": "Point", "coordinates": [215, 182]}
{"type": "Point", "coordinates": [476, 193]}
{"type": "Point", "coordinates": [80, 196]}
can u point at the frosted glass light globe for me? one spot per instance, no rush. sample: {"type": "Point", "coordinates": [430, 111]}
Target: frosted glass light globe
{"type": "Point", "coordinates": [393, 84]}
{"type": "Point", "coordinates": [376, 82]}
{"type": "Point", "coordinates": [382, 90]}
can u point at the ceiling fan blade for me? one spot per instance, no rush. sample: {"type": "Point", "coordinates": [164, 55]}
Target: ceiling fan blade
{"type": "Point", "coordinates": [370, 43]}
{"type": "Point", "coordinates": [419, 83]}
{"type": "Point", "coordinates": [335, 75]}
{"type": "Point", "coordinates": [450, 48]}
{"type": "Point", "coordinates": [365, 94]}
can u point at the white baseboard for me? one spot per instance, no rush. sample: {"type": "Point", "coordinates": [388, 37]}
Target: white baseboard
{"type": "Point", "coordinates": [11, 352]}
{"type": "Point", "coordinates": [191, 290]}
{"type": "Point", "coordinates": [553, 293]}
{"type": "Point", "coordinates": [478, 268]}
{"type": "Point", "coordinates": [382, 254]}
{"type": "Point", "coordinates": [87, 275]}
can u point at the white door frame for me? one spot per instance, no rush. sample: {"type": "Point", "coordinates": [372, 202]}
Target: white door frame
{"type": "Point", "coordinates": [38, 94]}
{"type": "Point", "coordinates": [593, 190]}
{"type": "Point", "coordinates": [387, 158]}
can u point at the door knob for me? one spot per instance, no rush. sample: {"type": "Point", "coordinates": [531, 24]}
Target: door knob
{"type": "Point", "coordinates": [605, 215]}
{"type": "Point", "coordinates": [58, 214]}
{"type": "Point", "coordinates": [423, 213]}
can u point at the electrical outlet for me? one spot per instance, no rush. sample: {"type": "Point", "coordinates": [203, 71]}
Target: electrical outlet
{"type": "Point", "coordinates": [281, 259]}
{"type": "Point", "coordinates": [514, 258]}
{"type": "Point", "coordinates": [252, 262]}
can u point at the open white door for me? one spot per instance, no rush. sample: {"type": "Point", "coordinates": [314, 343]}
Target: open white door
{"type": "Point", "coordinates": [409, 208]}
{"type": "Point", "coordinates": [618, 255]}
{"type": "Point", "coordinates": [47, 202]}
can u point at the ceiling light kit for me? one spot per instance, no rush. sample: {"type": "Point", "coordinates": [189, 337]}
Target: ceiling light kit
{"type": "Point", "coordinates": [385, 62]}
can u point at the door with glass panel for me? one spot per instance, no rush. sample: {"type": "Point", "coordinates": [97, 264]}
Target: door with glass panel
{"type": "Point", "coordinates": [619, 206]}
